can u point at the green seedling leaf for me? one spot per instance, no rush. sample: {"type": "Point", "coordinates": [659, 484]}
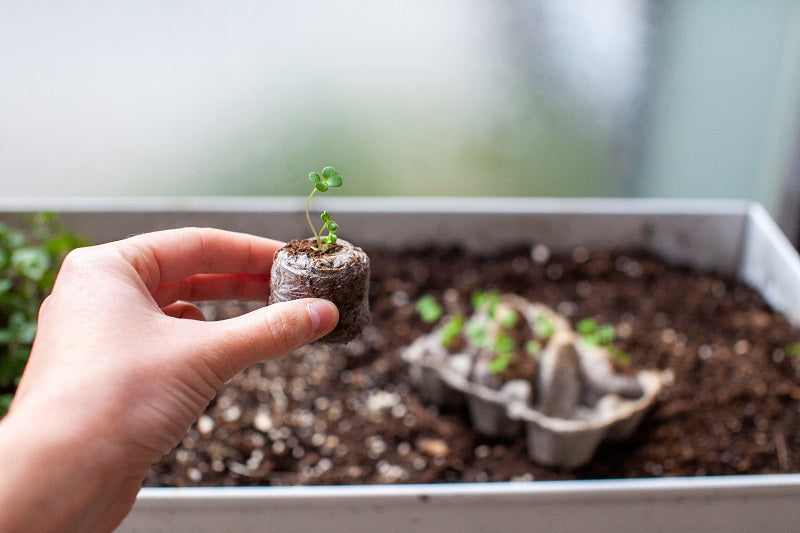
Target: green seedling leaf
{"type": "Point", "coordinates": [314, 177]}
{"type": "Point", "coordinates": [509, 319]}
{"type": "Point", "coordinates": [605, 334]}
{"type": "Point", "coordinates": [792, 349]}
{"type": "Point", "coordinates": [595, 334]}
{"type": "Point", "coordinates": [325, 217]}
{"type": "Point", "coordinates": [476, 333]}
{"type": "Point", "coordinates": [587, 326]}
{"type": "Point", "coordinates": [429, 309]}
{"type": "Point", "coordinates": [499, 363]}
{"type": "Point", "coordinates": [533, 348]}
{"type": "Point", "coordinates": [331, 177]}
{"type": "Point", "coordinates": [451, 330]}
{"type": "Point", "coordinates": [544, 327]}
{"type": "Point", "coordinates": [503, 344]}
{"type": "Point", "coordinates": [486, 300]}
{"type": "Point", "coordinates": [623, 358]}
{"type": "Point", "coordinates": [332, 226]}
{"type": "Point", "coordinates": [476, 298]}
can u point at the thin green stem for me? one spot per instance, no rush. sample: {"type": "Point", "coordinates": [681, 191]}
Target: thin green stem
{"type": "Point", "coordinates": [322, 244]}
{"type": "Point", "coordinates": [308, 217]}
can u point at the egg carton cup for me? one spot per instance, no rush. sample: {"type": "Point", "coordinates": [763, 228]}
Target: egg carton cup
{"type": "Point", "coordinates": [577, 401]}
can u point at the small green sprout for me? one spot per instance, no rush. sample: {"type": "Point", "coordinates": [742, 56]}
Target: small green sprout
{"type": "Point", "coordinates": [476, 332]}
{"type": "Point", "coordinates": [544, 327]}
{"type": "Point", "coordinates": [451, 330]}
{"type": "Point", "coordinates": [429, 309]}
{"type": "Point", "coordinates": [508, 319]}
{"type": "Point", "coordinates": [486, 300]}
{"type": "Point", "coordinates": [533, 348]}
{"type": "Point", "coordinates": [499, 362]}
{"type": "Point", "coordinates": [504, 353]}
{"type": "Point", "coordinates": [503, 343]}
{"type": "Point", "coordinates": [621, 357]}
{"type": "Point", "coordinates": [792, 349]}
{"type": "Point", "coordinates": [595, 334]}
{"type": "Point", "coordinates": [331, 226]}
{"type": "Point", "coordinates": [329, 178]}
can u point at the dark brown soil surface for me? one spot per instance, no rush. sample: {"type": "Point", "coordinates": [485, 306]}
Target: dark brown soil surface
{"type": "Point", "coordinates": [348, 414]}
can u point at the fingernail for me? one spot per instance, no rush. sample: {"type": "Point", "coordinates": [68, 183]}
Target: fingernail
{"type": "Point", "coordinates": [324, 316]}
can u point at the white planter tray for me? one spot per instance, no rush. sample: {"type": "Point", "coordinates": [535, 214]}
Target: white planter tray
{"type": "Point", "coordinates": [733, 237]}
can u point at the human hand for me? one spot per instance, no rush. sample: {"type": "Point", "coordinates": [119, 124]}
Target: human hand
{"type": "Point", "coordinates": [121, 365]}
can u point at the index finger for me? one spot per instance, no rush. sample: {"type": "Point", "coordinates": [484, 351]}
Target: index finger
{"type": "Point", "coordinates": [170, 255]}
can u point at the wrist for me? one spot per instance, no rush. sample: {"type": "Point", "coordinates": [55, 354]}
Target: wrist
{"type": "Point", "coordinates": [53, 465]}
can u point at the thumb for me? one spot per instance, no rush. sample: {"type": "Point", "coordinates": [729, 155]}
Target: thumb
{"type": "Point", "coordinates": [270, 331]}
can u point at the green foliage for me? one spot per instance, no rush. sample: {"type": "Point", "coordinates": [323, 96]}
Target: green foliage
{"type": "Point", "coordinates": [533, 348]}
{"type": "Point", "coordinates": [29, 262]}
{"type": "Point", "coordinates": [486, 300]}
{"type": "Point", "coordinates": [451, 330]}
{"type": "Point", "coordinates": [329, 225]}
{"type": "Point", "coordinates": [544, 327]}
{"type": "Point", "coordinates": [329, 178]}
{"type": "Point", "coordinates": [508, 319]}
{"type": "Point", "coordinates": [792, 349]}
{"type": "Point", "coordinates": [500, 362]}
{"type": "Point", "coordinates": [477, 334]}
{"type": "Point", "coordinates": [503, 349]}
{"type": "Point", "coordinates": [322, 182]}
{"type": "Point", "coordinates": [429, 309]}
{"type": "Point", "coordinates": [503, 344]}
{"type": "Point", "coordinates": [595, 334]}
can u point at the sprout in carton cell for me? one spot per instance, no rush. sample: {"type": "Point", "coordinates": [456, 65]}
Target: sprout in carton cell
{"type": "Point", "coordinates": [604, 335]}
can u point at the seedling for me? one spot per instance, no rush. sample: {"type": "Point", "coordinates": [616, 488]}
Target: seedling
{"type": "Point", "coordinates": [503, 348]}
{"type": "Point", "coordinates": [508, 319]}
{"type": "Point", "coordinates": [429, 309]}
{"type": "Point", "coordinates": [792, 349]}
{"type": "Point", "coordinates": [476, 332]}
{"type": "Point", "coordinates": [451, 330]}
{"type": "Point", "coordinates": [595, 334]}
{"type": "Point", "coordinates": [544, 327]}
{"type": "Point", "coordinates": [533, 348]}
{"type": "Point", "coordinates": [487, 300]}
{"type": "Point", "coordinates": [329, 178]}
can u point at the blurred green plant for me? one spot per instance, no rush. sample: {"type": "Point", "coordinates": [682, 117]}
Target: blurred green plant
{"type": "Point", "coordinates": [595, 334]}
{"type": "Point", "coordinates": [29, 262]}
{"type": "Point", "coordinates": [429, 309]}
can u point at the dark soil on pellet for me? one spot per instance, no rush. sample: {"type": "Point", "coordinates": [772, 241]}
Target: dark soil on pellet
{"type": "Point", "coordinates": [348, 414]}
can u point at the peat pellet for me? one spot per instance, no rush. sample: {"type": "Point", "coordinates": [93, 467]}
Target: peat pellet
{"type": "Point", "coordinates": [340, 274]}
